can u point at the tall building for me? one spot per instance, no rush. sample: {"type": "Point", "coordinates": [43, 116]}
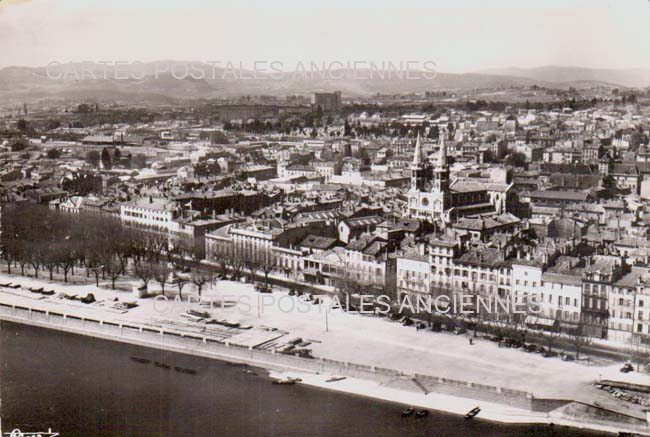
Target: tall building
{"type": "Point", "coordinates": [432, 198]}
{"type": "Point", "coordinates": [327, 102]}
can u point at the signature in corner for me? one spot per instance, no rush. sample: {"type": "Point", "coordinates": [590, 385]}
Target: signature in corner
{"type": "Point", "coordinates": [18, 433]}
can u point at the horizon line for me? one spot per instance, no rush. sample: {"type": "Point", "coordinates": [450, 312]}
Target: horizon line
{"type": "Point", "coordinates": [245, 64]}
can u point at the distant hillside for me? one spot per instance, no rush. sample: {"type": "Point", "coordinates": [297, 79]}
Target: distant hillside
{"type": "Point", "coordinates": [143, 83]}
{"type": "Point", "coordinates": [625, 77]}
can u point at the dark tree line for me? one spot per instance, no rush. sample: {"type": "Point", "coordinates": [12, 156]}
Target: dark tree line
{"type": "Point", "coordinates": [51, 241]}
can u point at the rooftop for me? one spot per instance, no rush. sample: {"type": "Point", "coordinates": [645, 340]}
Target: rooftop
{"type": "Point", "coordinates": [154, 203]}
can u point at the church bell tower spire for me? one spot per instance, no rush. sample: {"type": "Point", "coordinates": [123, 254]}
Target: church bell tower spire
{"type": "Point", "coordinates": [441, 172]}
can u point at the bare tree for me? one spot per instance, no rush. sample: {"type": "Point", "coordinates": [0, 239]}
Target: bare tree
{"type": "Point", "coordinates": [113, 267]}
{"type": "Point", "coordinates": [252, 263]}
{"type": "Point", "coordinates": [50, 257]}
{"type": "Point", "coordinates": [161, 274]}
{"type": "Point", "coordinates": [180, 282]}
{"type": "Point", "coordinates": [224, 257]}
{"type": "Point", "coordinates": [345, 284]}
{"type": "Point", "coordinates": [192, 248]}
{"type": "Point", "coordinates": [237, 264]}
{"type": "Point", "coordinates": [579, 340]}
{"type": "Point", "coordinates": [551, 335]}
{"type": "Point", "coordinates": [154, 246]}
{"type": "Point", "coordinates": [174, 255]}
{"type": "Point", "coordinates": [145, 272]}
{"type": "Point", "coordinates": [93, 263]}
{"type": "Point", "coordinates": [200, 279]}
{"type": "Point", "coordinates": [36, 259]}
{"type": "Point", "coordinates": [9, 247]}
{"type": "Point", "coordinates": [267, 262]}
{"type": "Point", "coordinates": [638, 353]}
{"type": "Point", "coordinates": [67, 265]}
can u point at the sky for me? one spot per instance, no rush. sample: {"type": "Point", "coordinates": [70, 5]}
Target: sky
{"type": "Point", "coordinates": [457, 35]}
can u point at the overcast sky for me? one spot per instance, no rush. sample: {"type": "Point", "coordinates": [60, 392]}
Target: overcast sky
{"type": "Point", "coordinates": [458, 35]}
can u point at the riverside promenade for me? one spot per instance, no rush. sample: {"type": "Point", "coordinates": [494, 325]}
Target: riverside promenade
{"type": "Point", "coordinates": [499, 403]}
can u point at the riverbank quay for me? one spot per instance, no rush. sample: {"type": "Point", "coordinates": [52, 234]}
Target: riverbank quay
{"type": "Point", "coordinates": [252, 346]}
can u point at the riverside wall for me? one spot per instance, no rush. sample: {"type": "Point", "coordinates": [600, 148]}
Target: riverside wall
{"type": "Point", "coordinates": [205, 346]}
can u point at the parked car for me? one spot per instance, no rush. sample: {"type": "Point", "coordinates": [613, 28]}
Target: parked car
{"type": "Point", "coordinates": [511, 342]}
{"type": "Point", "coordinates": [436, 327]}
{"type": "Point", "coordinates": [568, 357]}
{"type": "Point", "coordinates": [459, 331]}
{"type": "Point", "coordinates": [407, 322]}
{"type": "Point", "coordinates": [627, 368]}
{"type": "Point", "coordinates": [530, 348]}
{"type": "Point", "coordinates": [263, 289]}
{"type": "Point", "coordinates": [421, 325]}
{"type": "Point", "coordinates": [496, 338]}
{"type": "Point", "coordinates": [550, 354]}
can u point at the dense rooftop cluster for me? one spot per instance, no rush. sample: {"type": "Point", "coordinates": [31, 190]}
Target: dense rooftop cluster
{"type": "Point", "coordinates": [525, 204]}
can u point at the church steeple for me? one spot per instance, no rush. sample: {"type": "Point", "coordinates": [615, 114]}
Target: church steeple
{"type": "Point", "coordinates": [419, 168]}
{"type": "Point", "coordinates": [417, 157]}
{"type": "Point", "coordinates": [442, 153]}
{"type": "Point", "coordinates": [441, 173]}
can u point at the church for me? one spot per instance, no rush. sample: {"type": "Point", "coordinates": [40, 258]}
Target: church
{"type": "Point", "coordinates": [432, 197]}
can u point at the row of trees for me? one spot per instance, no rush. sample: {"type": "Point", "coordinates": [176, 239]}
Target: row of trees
{"type": "Point", "coordinates": [256, 261]}
{"type": "Point", "coordinates": [50, 241]}
{"type": "Point", "coordinates": [495, 321]}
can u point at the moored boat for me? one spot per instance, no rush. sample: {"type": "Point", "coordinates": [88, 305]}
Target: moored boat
{"type": "Point", "coordinates": [185, 370]}
{"type": "Point", "coordinates": [283, 382]}
{"type": "Point", "coordinates": [473, 412]}
{"type": "Point", "coordinates": [335, 378]}
{"type": "Point", "coordinates": [421, 413]}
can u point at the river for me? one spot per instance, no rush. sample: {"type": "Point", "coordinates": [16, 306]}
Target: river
{"type": "Point", "coordinates": [82, 386]}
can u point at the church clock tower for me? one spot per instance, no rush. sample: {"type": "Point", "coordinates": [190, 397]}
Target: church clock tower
{"type": "Point", "coordinates": [440, 197]}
